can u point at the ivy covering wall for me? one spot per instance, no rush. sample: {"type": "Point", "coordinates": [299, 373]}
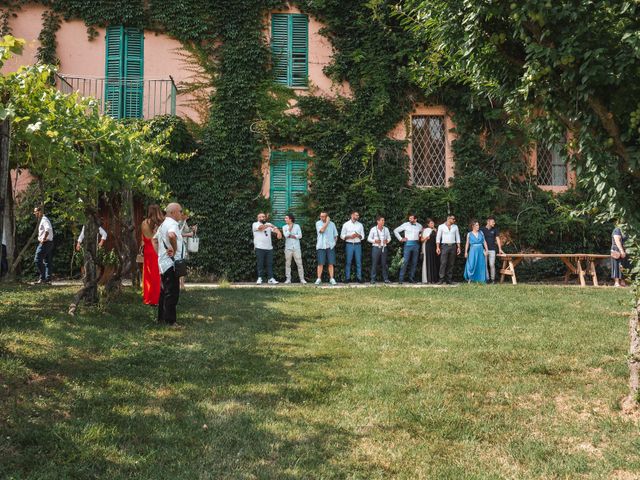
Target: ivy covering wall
{"type": "Point", "coordinates": [355, 164]}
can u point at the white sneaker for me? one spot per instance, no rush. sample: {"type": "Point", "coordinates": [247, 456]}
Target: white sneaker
{"type": "Point", "coordinates": [287, 281]}
{"type": "Point", "coordinates": [303, 281]}
{"type": "Point", "coordinates": [318, 282]}
{"type": "Point", "coordinates": [259, 282]}
{"type": "Point", "coordinates": [333, 281]}
{"type": "Point", "coordinates": [273, 281]}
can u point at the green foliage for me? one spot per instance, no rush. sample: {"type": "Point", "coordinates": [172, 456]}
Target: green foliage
{"type": "Point", "coordinates": [355, 164]}
{"type": "Point", "coordinates": [556, 67]}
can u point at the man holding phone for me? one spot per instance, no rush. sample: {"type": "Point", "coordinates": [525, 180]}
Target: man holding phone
{"type": "Point", "coordinates": [353, 233]}
{"type": "Point", "coordinates": [325, 246]}
{"type": "Point", "coordinates": [262, 231]}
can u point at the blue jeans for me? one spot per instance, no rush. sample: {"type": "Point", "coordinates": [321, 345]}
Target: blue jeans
{"type": "Point", "coordinates": [410, 254]}
{"type": "Point", "coordinates": [264, 257]}
{"type": "Point", "coordinates": [353, 250]}
{"type": "Point", "coordinates": [44, 255]}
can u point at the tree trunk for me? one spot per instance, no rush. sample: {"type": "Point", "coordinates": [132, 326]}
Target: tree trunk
{"type": "Point", "coordinates": [5, 132]}
{"type": "Point", "coordinates": [632, 402]}
{"type": "Point", "coordinates": [89, 290]}
{"type": "Point", "coordinates": [130, 240]}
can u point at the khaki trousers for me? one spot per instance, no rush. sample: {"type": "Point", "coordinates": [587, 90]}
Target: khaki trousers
{"type": "Point", "coordinates": [297, 256]}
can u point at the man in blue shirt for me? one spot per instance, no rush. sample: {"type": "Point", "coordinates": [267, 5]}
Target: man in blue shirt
{"type": "Point", "coordinates": [326, 246]}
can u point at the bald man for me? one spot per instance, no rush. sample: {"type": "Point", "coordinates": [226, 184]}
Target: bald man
{"type": "Point", "coordinates": [168, 244]}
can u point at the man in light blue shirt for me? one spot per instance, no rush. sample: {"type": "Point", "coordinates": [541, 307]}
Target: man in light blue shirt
{"type": "Point", "coordinates": [326, 246]}
{"type": "Point", "coordinates": [292, 234]}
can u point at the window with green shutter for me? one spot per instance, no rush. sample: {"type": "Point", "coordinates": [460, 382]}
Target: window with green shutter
{"type": "Point", "coordinates": [288, 184]}
{"type": "Point", "coordinates": [290, 48]}
{"type": "Point", "coordinates": [124, 72]}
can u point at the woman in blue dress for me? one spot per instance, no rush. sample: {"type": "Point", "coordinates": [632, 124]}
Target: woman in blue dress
{"type": "Point", "coordinates": [475, 252]}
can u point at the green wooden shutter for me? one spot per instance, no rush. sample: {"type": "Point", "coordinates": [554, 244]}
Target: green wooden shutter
{"type": "Point", "coordinates": [288, 185]}
{"type": "Point", "coordinates": [113, 72]}
{"type": "Point", "coordinates": [133, 72]}
{"type": "Point", "coordinates": [280, 52]}
{"type": "Point", "coordinates": [278, 191]}
{"type": "Point", "coordinates": [299, 50]}
{"type": "Point", "coordinates": [297, 182]}
{"type": "Point", "coordinates": [290, 49]}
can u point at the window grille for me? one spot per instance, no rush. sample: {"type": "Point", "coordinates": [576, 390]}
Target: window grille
{"type": "Point", "coordinates": [551, 167]}
{"type": "Point", "coordinates": [428, 152]}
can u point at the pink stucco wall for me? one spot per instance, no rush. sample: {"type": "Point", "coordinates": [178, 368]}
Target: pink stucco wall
{"type": "Point", "coordinates": [83, 58]}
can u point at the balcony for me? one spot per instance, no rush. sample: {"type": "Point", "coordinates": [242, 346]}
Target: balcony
{"type": "Point", "coordinates": [124, 97]}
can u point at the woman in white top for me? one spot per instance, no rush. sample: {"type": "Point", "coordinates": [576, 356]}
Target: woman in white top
{"type": "Point", "coordinates": [430, 260]}
{"type": "Point", "coordinates": [292, 235]}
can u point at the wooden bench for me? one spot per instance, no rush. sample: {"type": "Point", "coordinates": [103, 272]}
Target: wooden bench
{"type": "Point", "coordinates": [573, 261]}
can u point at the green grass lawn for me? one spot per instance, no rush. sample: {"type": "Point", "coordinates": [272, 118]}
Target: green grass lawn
{"type": "Point", "coordinates": [471, 382]}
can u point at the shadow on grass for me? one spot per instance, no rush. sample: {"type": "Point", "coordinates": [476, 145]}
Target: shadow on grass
{"type": "Point", "coordinates": [111, 394]}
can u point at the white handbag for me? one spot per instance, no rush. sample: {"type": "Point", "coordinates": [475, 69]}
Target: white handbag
{"type": "Point", "coordinates": [193, 244]}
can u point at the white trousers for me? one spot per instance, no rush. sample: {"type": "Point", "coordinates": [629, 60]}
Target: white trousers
{"type": "Point", "coordinates": [491, 260]}
{"type": "Point", "coordinates": [297, 256]}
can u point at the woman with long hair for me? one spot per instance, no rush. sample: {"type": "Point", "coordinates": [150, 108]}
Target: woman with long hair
{"type": "Point", "coordinates": [150, 270]}
{"type": "Point", "coordinates": [430, 260]}
{"type": "Point", "coordinates": [475, 252]}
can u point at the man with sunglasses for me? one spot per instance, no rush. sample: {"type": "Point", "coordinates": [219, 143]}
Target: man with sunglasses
{"type": "Point", "coordinates": [262, 232]}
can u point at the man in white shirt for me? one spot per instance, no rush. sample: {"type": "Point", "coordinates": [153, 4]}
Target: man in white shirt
{"type": "Point", "coordinates": [326, 246]}
{"type": "Point", "coordinates": [44, 251]}
{"type": "Point", "coordinates": [102, 238]}
{"type": "Point", "coordinates": [411, 240]}
{"type": "Point", "coordinates": [170, 248]}
{"type": "Point", "coordinates": [379, 238]}
{"type": "Point", "coordinates": [353, 233]}
{"type": "Point", "coordinates": [262, 231]}
{"type": "Point", "coordinates": [292, 251]}
{"type": "Point", "coordinates": [447, 246]}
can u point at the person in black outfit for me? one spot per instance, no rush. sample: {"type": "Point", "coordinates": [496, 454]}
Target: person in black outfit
{"type": "Point", "coordinates": [492, 237]}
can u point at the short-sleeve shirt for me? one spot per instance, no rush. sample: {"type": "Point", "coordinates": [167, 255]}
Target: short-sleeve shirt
{"type": "Point", "coordinates": [262, 238]}
{"type": "Point", "coordinates": [169, 225]}
{"type": "Point", "coordinates": [490, 235]}
{"type": "Point", "coordinates": [616, 231]}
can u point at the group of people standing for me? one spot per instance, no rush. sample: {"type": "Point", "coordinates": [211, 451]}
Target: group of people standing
{"type": "Point", "coordinates": [163, 244]}
{"type": "Point", "coordinates": [439, 247]}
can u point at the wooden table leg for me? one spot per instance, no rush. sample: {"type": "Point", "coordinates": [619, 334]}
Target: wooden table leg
{"type": "Point", "coordinates": [504, 267]}
{"type": "Point", "coordinates": [594, 275]}
{"type": "Point", "coordinates": [512, 267]}
{"type": "Point", "coordinates": [581, 274]}
{"type": "Point", "coordinates": [571, 269]}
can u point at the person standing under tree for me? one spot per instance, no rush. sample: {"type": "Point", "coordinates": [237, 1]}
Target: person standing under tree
{"type": "Point", "coordinates": [411, 240]}
{"type": "Point", "coordinates": [150, 269]}
{"type": "Point", "coordinates": [187, 232]}
{"type": "Point", "coordinates": [353, 233]}
{"type": "Point", "coordinates": [326, 246]}
{"type": "Point", "coordinates": [447, 246]}
{"type": "Point", "coordinates": [168, 244]}
{"type": "Point", "coordinates": [492, 237]}
{"type": "Point", "coordinates": [619, 257]}
{"type": "Point", "coordinates": [262, 231]}
{"type": "Point", "coordinates": [379, 238]}
{"type": "Point", "coordinates": [292, 234]}
{"type": "Point", "coordinates": [102, 237]}
{"type": "Point", "coordinates": [44, 252]}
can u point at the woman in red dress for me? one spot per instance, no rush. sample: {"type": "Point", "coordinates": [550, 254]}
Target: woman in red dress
{"type": "Point", "coordinates": [151, 271]}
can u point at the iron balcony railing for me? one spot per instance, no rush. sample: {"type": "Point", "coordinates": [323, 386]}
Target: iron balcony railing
{"type": "Point", "coordinates": [125, 97]}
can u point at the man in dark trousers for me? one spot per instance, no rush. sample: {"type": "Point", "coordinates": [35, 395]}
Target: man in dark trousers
{"type": "Point", "coordinates": [168, 244]}
{"type": "Point", "coordinates": [447, 246]}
